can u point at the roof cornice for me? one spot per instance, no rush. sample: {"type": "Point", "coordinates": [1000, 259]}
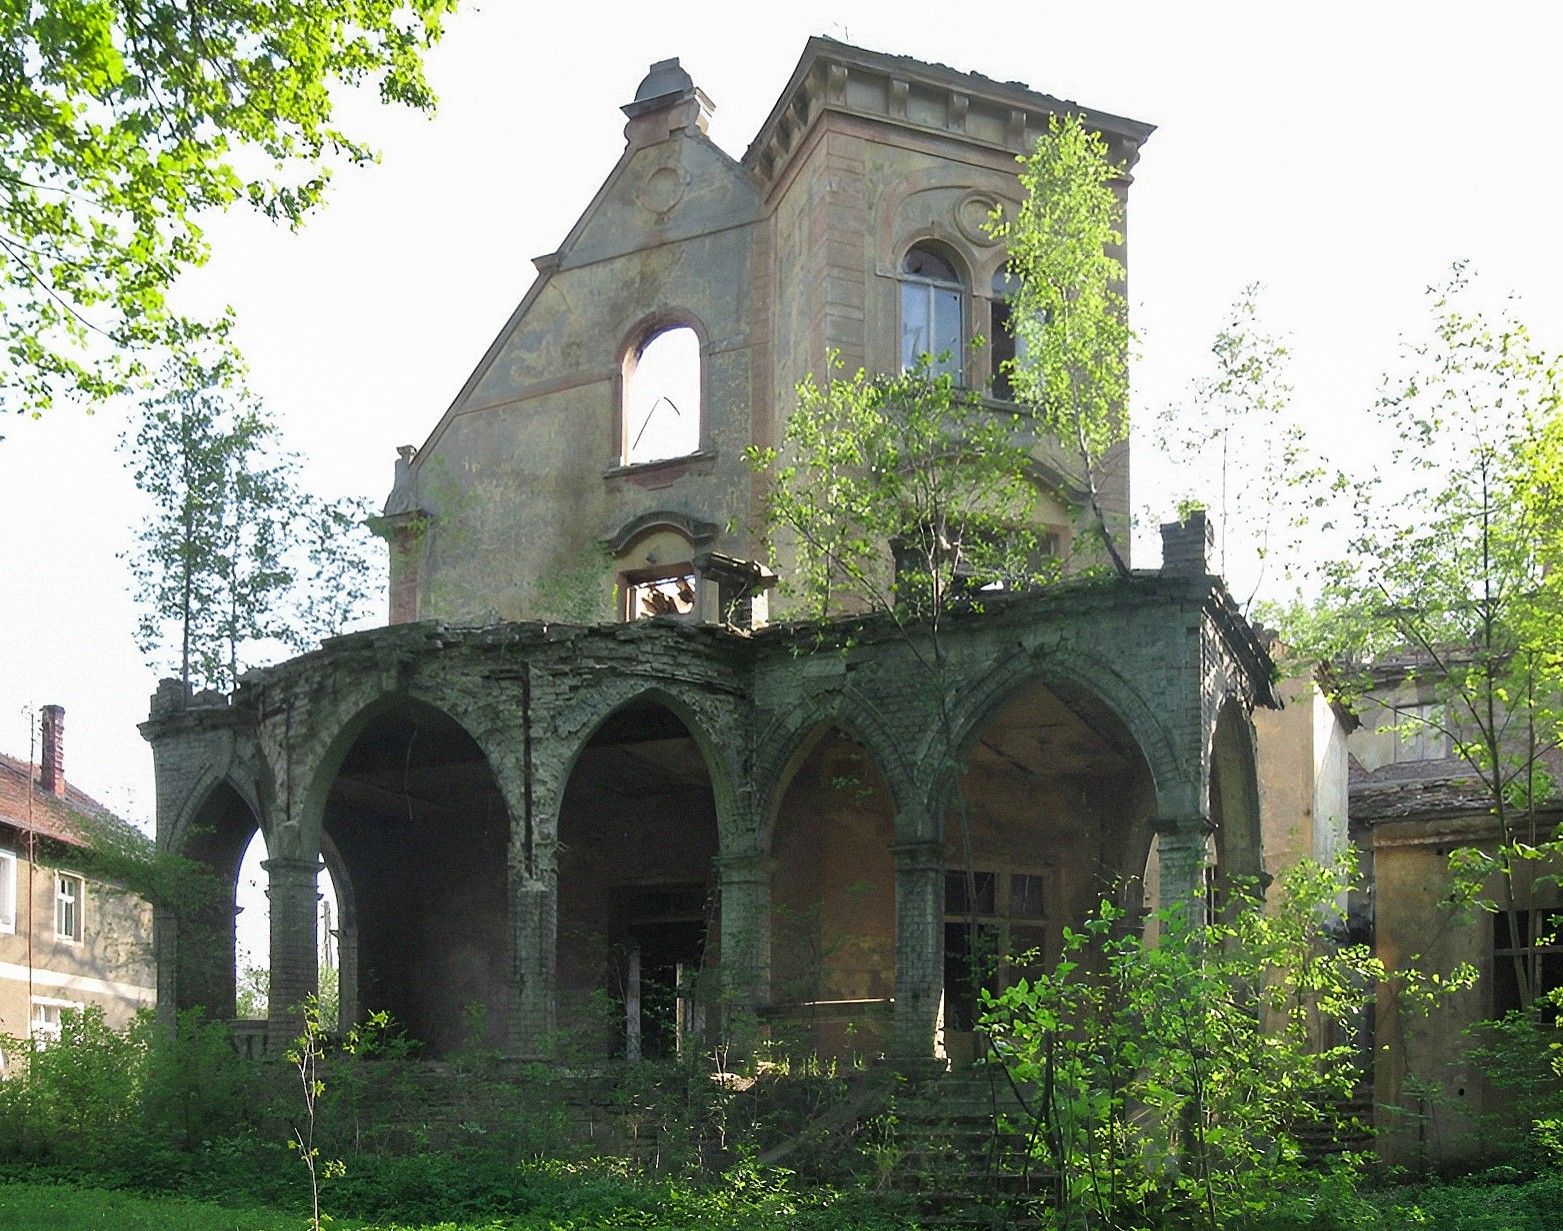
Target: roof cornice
{"type": "Point", "coordinates": [993, 114]}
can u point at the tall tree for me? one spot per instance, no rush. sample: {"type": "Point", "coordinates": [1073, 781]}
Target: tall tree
{"type": "Point", "coordinates": [237, 559]}
{"type": "Point", "coordinates": [1071, 324]}
{"type": "Point", "coordinates": [126, 121]}
{"type": "Point", "coordinates": [1235, 449]}
{"type": "Point", "coordinates": [1452, 566]}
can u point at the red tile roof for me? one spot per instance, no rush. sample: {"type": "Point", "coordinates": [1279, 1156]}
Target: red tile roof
{"type": "Point", "coordinates": [48, 815]}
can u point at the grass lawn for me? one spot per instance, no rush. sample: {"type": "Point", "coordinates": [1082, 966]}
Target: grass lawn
{"type": "Point", "coordinates": [62, 1207]}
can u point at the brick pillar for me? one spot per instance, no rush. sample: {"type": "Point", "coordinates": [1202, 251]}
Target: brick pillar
{"type": "Point", "coordinates": [294, 897]}
{"type": "Point", "coordinates": [1180, 854]}
{"type": "Point", "coordinates": [919, 946]}
{"type": "Point", "coordinates": [347, 977]}
{"type": "Point", "coordinates": [744, 885]}
{"type": "Point", "coordinates": [534, 920]}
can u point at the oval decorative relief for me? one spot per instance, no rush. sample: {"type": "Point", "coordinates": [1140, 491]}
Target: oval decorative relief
{"type": "Point", "coordinates": [971, 216]}
{"type": "Point", "coordinates": [662, 189]}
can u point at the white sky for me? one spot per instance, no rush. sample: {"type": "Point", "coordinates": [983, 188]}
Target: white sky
{"type": "Point", "coordinates": [1341, 154]}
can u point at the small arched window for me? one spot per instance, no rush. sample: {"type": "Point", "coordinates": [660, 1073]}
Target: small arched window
{"type": "Point", "coordinates": [932, 312]}
{"type": "Point", "coordinates": [1008, 350]}
{"type": "Point", "coordinates": [661, 406]}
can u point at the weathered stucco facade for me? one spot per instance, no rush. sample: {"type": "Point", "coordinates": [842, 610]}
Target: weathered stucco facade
{"type": "Point", "coordinates": [772, 260]}
{"type": "Point", "coordinates": [652, 827]}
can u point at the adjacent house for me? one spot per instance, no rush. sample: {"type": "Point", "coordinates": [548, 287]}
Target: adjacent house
{"type": "Point", "coordinates": [67, 940]}
{"type": "Point", "coordinates": [1413, 802]}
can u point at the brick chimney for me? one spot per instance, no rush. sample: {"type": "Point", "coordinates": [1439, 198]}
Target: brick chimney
{"type": "Point", "coordinates": [1186, 545]}
{"type": "Point", "coordinates": [51, 773]}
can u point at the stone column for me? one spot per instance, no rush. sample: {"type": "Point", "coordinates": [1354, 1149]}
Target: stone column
{"type": "Point", "coordinates": [919, 946]}
{"type": "Point", "coordinates": [744, 889]}
{"type": "Point", "coordinates": [534, 921]}
{"type": "Point", "coordinates": [1180, 853]}
{"type": "Point", "coordinates": [165, 948]}
{"type": "Point", "coordinates": [294, 896]}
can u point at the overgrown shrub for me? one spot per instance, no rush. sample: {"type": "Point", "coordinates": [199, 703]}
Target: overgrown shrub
{"type": "Point", "coordinates": [1173, 1083]}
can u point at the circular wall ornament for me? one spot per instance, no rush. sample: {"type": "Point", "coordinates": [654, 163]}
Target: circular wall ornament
{"type": "Point", "coordinates": [662, 189]}
{"type": "Point", "coordinates": [971, 216]}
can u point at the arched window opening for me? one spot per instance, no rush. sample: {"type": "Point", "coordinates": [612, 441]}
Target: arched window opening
{"type": "Point", "coordinates": [1008, 349]}
{"type": "Point", "coordinates": [662, 393]}
{"type": "Point", "coordinates": [932, 311]}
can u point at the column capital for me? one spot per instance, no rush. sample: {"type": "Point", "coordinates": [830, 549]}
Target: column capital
{"type": "Point", "coordinates": [283, 867]}
{"type": "Point", "coordinates": [1193, 827]}
{"type": "Point", "coordinates": [919, 854]}
{"type": "Point", "coordinates": [746, 868]}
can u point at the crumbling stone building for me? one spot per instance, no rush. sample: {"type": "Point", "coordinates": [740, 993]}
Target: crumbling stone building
{"type": "Point", "coordinates": [533, 798]}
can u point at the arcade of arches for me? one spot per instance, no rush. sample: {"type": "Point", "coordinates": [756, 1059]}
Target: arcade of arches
{"type": "Point", "coordinates": [644, 834]}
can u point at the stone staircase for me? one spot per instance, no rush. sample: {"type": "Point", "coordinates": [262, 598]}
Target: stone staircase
{"type": "Point", "coordinates": [963, 1151]}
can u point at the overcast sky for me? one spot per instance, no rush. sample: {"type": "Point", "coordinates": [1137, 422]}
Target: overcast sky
{"type": "Point", "coordinates": [1344, 155]}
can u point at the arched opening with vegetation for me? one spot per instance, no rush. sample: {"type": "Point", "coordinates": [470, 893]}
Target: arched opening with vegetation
{"type": "Point", "coordinates": [1059, 801]}
{"type": "Point", "coordinates": [638, 921]}
{"type": "Point", "coordinates": [421, 832]}
{"type": "Point", "coordinates": [833, 908]}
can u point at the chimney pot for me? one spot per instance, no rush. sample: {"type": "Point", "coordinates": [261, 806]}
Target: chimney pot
{"type": "Point", "coordinates": [52, 770]}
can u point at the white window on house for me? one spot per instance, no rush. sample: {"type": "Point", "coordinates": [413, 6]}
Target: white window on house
{"type": "Point", "coordinates": [1007, 349]}
{"type": "Point", "coordinates": [7, 891]}
{"type": "Point", "coordinates": [68, 900]}
{"type": "Point", "coordinates": [932, 311]}
{"type": "Point", "coordinates": [661, 402]}
{"type": "Point", "coordinates": [1417, 734]}
{"type": "Point", "coordinates": [48, 1018]}
{"type": "Point", "coordinates": [667, 594]}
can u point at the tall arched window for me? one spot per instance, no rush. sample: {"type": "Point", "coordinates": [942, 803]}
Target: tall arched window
{"type": "Point", "coordinates": [932, 314]}
{"type": "Point", "coordinates": [1007, 348]}
{"type": "Point", "coordinates": [661, 406]}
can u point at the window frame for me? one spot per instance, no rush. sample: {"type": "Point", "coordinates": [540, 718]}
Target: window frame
{"type": "Point", "coordinates": [632, 578]}
{"type": "Point", "coordinates": [78, 906]}
{"type": "Point", "coordinates": [1001, 337]}
{"type": "Point", "coordinates": [1533, 919]}
{"type": "Point", "coordinates": [60, 1007]}
{"type": "Point", "coordinates": [642, 336]}
{"type": "Point", "coordinates": [957, 365]}
{"type": "Point", "coordinates": [8, 911]}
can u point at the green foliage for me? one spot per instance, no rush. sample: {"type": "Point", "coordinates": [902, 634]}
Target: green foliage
{"type": "Point", "coordinates": [1069, 317]}
{"type": "Point", "coordinates": [305, 1055]}
{"type": "Point", "coordinates": [236, 555]}
{"type": "Point", "coordinates": [903, 494]}
{"type": "Point", "coordinates": [1449, 583]}
{"type": "Point", "coordinates": [127, 122]}
{"type": "Point", "coordinates": [112, 1101]}
{"type": "Point", "coordinates": [1171, 1083]}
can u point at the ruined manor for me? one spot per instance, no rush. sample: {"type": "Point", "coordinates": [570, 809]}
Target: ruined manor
{"type": "Point", "coordinates": [590, 774]}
